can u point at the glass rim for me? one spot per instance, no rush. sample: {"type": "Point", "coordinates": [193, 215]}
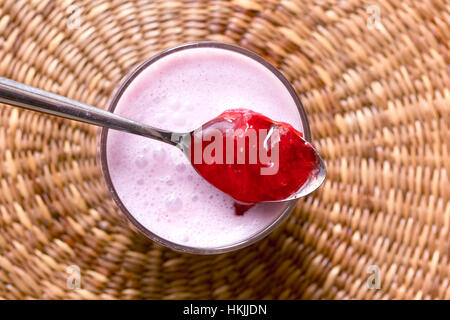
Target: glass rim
{"type": "Point", "coordinates": [104, 138]}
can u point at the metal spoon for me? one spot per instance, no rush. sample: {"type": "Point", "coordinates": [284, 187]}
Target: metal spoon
{"type": "Point", "coordinates": [27, 97]}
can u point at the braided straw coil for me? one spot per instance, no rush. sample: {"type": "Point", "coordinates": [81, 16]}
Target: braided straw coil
{"type": "Point", "coordinates": [377, 95]}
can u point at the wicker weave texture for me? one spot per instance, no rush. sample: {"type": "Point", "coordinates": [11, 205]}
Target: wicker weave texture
{"type": "Point", "coordinates": [378, 99]}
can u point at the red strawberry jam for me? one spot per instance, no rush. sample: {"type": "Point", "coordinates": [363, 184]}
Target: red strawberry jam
{"type": "Point", "coordinates": [251, 157]}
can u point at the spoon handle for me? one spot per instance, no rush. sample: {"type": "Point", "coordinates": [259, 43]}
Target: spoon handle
{"type": "Point", "coordinates": [27, 97]}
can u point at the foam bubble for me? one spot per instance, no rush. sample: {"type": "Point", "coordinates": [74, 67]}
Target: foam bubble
{"type": "Point", "coordinates": [171, 103]}
{"type": "Point", "coordinates": [179, 118]}
{"type": "Point", "coordinates": [180, 167]}
{"type": "Point", "coordinates": [157, 99]}
{"type": "Point", "coordinates": [140, 161]}
{"type": "Point", "coordinates": [159, 154]}
{"type": "Point", "coordinates": [161, 119]}
{"type": "Point", "coordinates": [173, 203]}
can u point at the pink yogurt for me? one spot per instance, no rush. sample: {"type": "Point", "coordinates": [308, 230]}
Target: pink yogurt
{"type": "Point", "coordinates": [155, 181]}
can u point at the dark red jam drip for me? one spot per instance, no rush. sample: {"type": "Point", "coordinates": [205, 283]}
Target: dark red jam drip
{"type": "Point", "coordinates": [244, 180]}
{"type": "Point", "coordinates": [240, 209]}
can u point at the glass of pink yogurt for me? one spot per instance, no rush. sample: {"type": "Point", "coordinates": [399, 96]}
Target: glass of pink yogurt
{"type": "Point", "coordinates": [153, 183]}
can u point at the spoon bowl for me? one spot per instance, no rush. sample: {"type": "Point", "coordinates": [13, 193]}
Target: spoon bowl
{"type": "Point", "coordinates": [314, 181]}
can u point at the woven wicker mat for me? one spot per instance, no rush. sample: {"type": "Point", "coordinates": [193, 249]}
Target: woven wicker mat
{"type": "Point", "coordinates": [374, 79]}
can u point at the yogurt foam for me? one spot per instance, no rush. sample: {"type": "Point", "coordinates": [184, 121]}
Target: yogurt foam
{"type": "Point", "coordinates": [155, 181]}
